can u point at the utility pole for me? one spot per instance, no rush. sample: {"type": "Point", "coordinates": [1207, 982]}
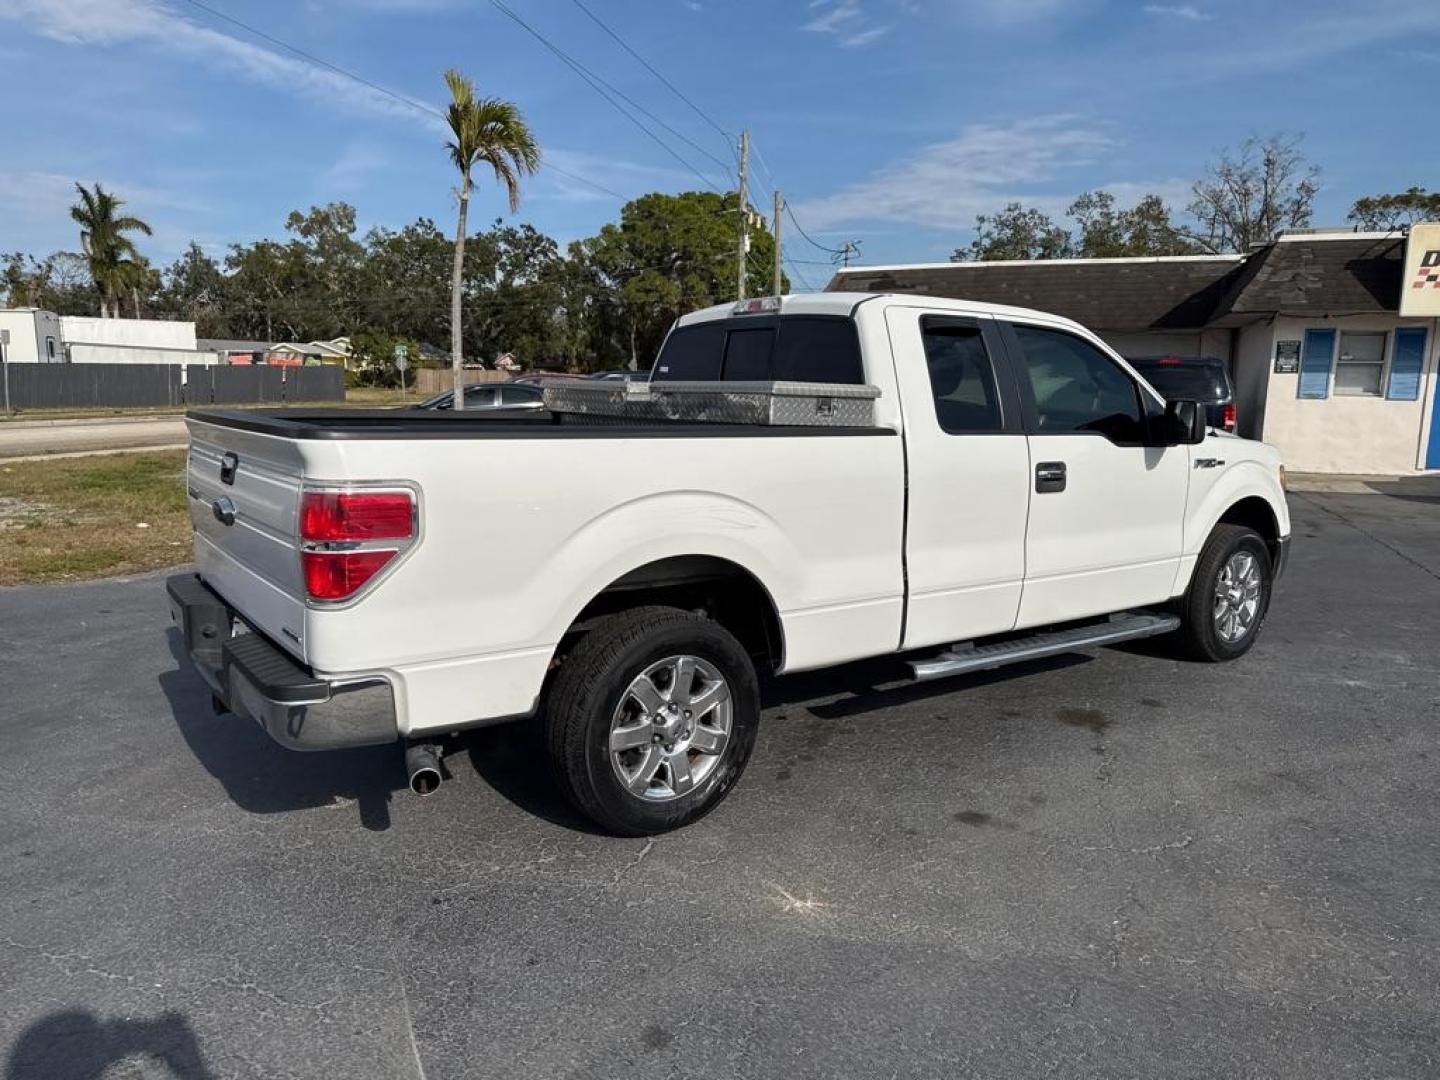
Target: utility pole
{"type": "Point", "coordinates": [744, 214]}
{"type": "Point", "coordinates": [779, 205]}
{"type": "Point", "coordinates": [850, 247]}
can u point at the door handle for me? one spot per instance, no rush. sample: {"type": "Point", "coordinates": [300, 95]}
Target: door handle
{"type": "Point", "coordinates": [1049, 477]}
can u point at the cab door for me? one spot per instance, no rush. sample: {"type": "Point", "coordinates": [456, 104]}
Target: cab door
{"type": "Point", "coordinates": [1106, 523]}
{"type": "Point", "coordinates": [968, 470]}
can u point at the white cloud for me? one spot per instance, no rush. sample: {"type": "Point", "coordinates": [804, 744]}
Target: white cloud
{"type": "Point", "coordinates": [945, 185]}
{"type": "Point", "coordinates": [864, 37]}
{"type": "Point", "coordinates": [110, 23]}
{"type": "Point", "coordinates": [1188, 12]}
{"type": "Point", "coordinates": [848, 21]}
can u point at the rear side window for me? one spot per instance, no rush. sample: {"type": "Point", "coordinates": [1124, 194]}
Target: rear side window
{"type": "Point", "coordinates": [692, 352]}
{"type": "Point", "coordinates": [747, 355]}
{"type": "Point", "coordinates": [962, 379]}
{"type": "Point", "coordinates": [818, 350]}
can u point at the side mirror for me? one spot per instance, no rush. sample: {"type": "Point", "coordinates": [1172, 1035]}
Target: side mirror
{"type": "Point", "coordinates": [1185, 423]}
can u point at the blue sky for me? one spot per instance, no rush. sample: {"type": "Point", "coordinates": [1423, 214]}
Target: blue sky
{"type": "Point", "coordinates": [893, 122]}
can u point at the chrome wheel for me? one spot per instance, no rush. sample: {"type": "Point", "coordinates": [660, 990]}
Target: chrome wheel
{"type": "Point", "coordinates": [670, 729]}
{"type": "Point", "coordinates": [1237, 597]}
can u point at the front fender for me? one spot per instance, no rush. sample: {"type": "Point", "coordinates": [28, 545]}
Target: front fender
{"type": "Point", "coordinates": [1242, 480]}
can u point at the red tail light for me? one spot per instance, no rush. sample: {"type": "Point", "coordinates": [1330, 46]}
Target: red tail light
{"type": "Point", "coordinates": [350, 536]}
{"type": "Point", "coordinates": [1227, 421]}
{"type": "Point", "coordinates": [334, 575]}
{"type": "Point", "coordinates": [328, 516]}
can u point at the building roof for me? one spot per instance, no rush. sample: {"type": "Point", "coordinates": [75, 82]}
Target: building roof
{"type": "Point", "coordinates": [1164, 293]}
{"type": "Point", "coordinates": [1301, 272]}
{"type": "Point", "coordinates": [1320, 274]}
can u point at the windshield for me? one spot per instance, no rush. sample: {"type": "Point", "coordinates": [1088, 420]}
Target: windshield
{"type": "Point", "coordinates": [1185, 381]}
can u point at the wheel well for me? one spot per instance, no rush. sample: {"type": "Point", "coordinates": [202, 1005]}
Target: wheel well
{"type": "Point", "coordinates": [1254, 512]}
{"type": "Point", "coordinates": [722, 590]}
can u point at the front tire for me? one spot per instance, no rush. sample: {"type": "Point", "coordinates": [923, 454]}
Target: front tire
{"type": "Point", "coordinates": [651, 719]}
{"type": "Point", "coordinates": [1229, 595]}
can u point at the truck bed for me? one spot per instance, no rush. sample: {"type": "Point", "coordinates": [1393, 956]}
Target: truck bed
{"type": "Point", "coordinates": [367, 424]}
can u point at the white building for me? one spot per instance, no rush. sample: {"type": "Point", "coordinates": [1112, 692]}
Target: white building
{"type": "Point", "coordinates": [1324, 364]}
{"type": "Point", "coordinates": [42, 336]}
{"type": "Point", "coordinates": [130, 333]}
{"type": "Point", "coordinates": [35, 336]}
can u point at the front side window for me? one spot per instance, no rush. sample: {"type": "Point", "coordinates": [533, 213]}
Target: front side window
{"type": "Point", "coordinates": [1360, 364]}
{"type": "Point", "coordinates": [1077, 388]}
{"type": "Point", "coordinates": [962, 379]}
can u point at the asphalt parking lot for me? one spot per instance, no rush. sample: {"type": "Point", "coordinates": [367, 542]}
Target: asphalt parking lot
{"type": "Point", "coordinates": [1107, 866]}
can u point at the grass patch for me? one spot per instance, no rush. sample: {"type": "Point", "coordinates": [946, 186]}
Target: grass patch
{"type": "Point", "coordinates": [76, 518]}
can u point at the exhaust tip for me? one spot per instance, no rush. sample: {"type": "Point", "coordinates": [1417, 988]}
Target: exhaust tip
{"type": "Point", "coordinates": [425, 781]}
{"type": "Point", "coordinates": [422, 765]}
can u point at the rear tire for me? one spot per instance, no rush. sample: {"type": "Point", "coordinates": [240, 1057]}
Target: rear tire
{"type": "Point", "coordinates": [1224, 609]}
{"type": "Point", "coordinates": [650, 719]}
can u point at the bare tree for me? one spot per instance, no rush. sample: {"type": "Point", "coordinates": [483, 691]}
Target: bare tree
{"type": "Point", "coordinates": [1246, 197]}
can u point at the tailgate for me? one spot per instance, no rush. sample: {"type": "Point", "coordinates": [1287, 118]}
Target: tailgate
{"type": "Point", "coordinates": [244, 497]}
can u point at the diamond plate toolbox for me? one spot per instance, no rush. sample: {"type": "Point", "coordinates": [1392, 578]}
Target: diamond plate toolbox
{"type": "Point", "coordinates": [770, 403]}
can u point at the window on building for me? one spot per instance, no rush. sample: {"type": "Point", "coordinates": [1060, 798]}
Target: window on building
{"type": "Point", "coordinates": [1078, 388]}
{"type": "Point", "coordinates": [1360, 364]}
{"type": "Point", "coordinates": [962, 379]}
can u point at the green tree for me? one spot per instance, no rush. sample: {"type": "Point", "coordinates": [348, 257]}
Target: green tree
{"type": "Point", "coordinates": [670, 254]}
{"type": "Point", "coordinates": [405, 283]}
{"type": "Point", "coordinates": [1249, 195]}
{"type": "Point", "coordinates": [1016, 232]}
{"type": "Point", "coordinates": [112, 255]}
{"type": "Point", "coordinates": [485, 131]}
{"type": "Point", "coordinates": [1384, 213]}
{"type": "Point", "coordinates": [372, 356]}
{"type": "Point", "coordinates": [1110, 233]}
{"type": "Point", "coordinates": [194, 288]}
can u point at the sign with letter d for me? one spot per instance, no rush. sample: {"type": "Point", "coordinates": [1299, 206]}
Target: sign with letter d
{"type": "Point", "coordinates": [1420, 283]}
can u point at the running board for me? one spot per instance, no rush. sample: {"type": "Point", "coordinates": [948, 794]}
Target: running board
{"type": "Point", "coordinates": [1126, 626]}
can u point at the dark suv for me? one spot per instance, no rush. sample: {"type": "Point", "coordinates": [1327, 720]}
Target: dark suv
{"type": "Point", "coordinates": [1192, 378]}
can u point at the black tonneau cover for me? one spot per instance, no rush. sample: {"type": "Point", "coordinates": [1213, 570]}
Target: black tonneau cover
{"type": "Point", "coordinates": [490, 424]}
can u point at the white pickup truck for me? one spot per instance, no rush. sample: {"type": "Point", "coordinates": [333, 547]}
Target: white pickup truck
{"type": "Point", "coordinates": [378, 577]}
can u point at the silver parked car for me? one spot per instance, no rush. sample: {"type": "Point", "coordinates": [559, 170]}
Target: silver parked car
{"type": "Point", "coordinates": [490, 396]}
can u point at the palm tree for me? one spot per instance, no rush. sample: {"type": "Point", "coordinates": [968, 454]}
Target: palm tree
{"type": "Point", "coordinates": [489, 131]}
{"type": "Point", "coordinates": [111, 254]}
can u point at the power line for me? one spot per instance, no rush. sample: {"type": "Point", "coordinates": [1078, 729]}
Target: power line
{"type": "Point", "coordinates": [336, 68]}
{"type": "Point", "coordinates": [419, 106]}
{"type": "Point", "coordinates": [729, 138]}
{"type": "Point", "coordinates": [594, 83]}
{"type": "Point", "coordinates": [807, 236]}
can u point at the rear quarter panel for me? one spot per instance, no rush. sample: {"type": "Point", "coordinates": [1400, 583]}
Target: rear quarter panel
{"type": "Point", "coordinates": [518, 535]}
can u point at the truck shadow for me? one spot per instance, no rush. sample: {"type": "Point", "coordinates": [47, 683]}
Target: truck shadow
{"type": "Point", "coordinates": [511, 758]}
{"type": "Point", "coordinates": [263, 778]}
{"type": "Point", "coordinates": [75, 1044]}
